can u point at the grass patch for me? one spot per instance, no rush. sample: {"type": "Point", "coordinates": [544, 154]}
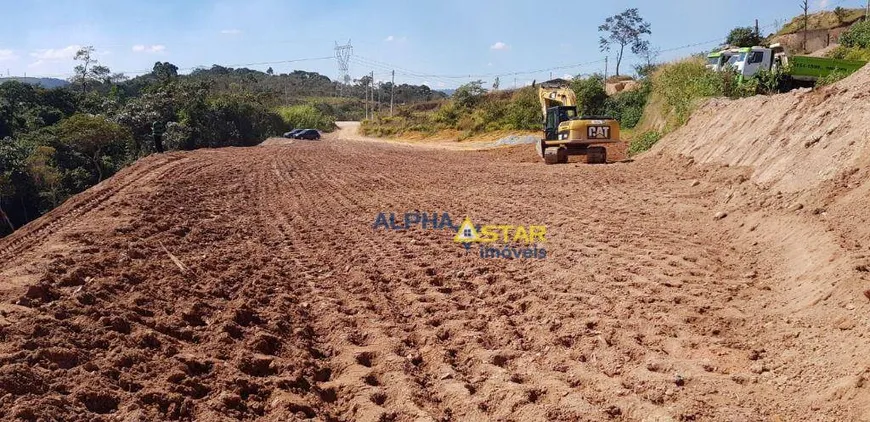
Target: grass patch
{"type": "Point", "coordinates": [306, 116]}
{"type": "Point", "coordinates": [474, 113]}
{"type": "Point", "coordinates": [643, 142]}
{"type": "Point", "coordinates": [681, 86]}
{"type": "Point", "coordinates": [850, 53]}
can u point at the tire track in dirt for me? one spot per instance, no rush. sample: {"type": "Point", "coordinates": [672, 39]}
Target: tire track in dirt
{"type": "Point", "coordinates": [382, 309]}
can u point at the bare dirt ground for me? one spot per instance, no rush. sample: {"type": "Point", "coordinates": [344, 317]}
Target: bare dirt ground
{"type": "Point", "coordinates": [249, 283]}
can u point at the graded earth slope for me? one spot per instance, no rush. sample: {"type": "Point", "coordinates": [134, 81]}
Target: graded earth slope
{"type": "Point", "coordinates": [792, 141]}
{"type": "Point", "coordinates": [250, 283]}
{"type": "Point", "coordinates": [805, 206]}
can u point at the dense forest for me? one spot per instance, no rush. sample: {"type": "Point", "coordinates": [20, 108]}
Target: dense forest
{"type": "Point", "coordinates": [57, 142]}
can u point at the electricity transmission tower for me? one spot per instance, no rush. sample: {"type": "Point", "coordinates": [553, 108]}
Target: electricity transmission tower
{"type": "Point", "coordinates": [342, 56]}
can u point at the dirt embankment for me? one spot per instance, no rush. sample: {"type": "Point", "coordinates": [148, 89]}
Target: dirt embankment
{"type": "Point", "coordinates": [805, 203]}
{"type": "Point", "coordinates": [813, 147]}
{"type": "Point", "coordinates": [250, 283]}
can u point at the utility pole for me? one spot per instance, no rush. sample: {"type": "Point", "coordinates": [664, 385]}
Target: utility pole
{"type": "Point", "coordinates": [380, 90]}
{"type": "Point", "coordinates": [393, 89]}
{"type": "Point", "coordinates": [806, 7]}
{"type": "Point", "coordinates": [757, 32]}
{"type": "Point", "coordinates": [606, 58]}
{"type": "Point", "coordinates": [373, 94]}
{"type": "Point", "coordinates": [867, 12]}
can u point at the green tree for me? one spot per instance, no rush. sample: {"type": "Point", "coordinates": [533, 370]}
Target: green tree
{"type": "Point", "coordinates": [92, 136]}
{"type": "Point", "coordinates": [743, 37]}
{"type": "Point", "coordinates": [15, 100]}
{"type": "Point", "coordinates": [269, 71]}
{"type": "Point", "coordinates": [590, 94]}
{"type": "Point", "coordinates": [82, 71]}
{"type": "Point", "coordinates": [469, 95]}
{"type": "Point", "coordinates": [6, 189]}
{"type": "Point", "coordinates": [524, 110]}
{"type": "Point", "coordinates": [857, 36]}
{"type": "Point", "coordinates": [90, 69]}
{"type": "Point", "coordinates": [165, 72]}
{"type": "Point", "coordinates": [45, 176]}
{"type": "Point", "coordinates": [626, 29]}
{"type": "Point", "coordinates": [12, 174]}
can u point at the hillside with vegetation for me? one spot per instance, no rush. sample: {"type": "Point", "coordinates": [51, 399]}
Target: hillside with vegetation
{"type": "Point", "coordinates": [826, 19]}
{"type": "Point", "coordinates": [474, 110]}
{"type": "Point", "coordinates": [854, 43]}
{"type": "Point", "coordinates": [43, 82]}
{"type": "Point", "coordinates": [57, 142]}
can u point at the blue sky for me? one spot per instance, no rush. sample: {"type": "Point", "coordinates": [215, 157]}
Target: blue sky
{"type": "Point", "coordinates": [436, 42]}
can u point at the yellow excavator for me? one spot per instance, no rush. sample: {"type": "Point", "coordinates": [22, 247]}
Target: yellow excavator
{"type": "Point", "coordinates": [566, 133]}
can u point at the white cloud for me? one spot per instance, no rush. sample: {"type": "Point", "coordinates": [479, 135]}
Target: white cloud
{"type": "Point", "coordinates": [157, 48]}
{"type": "Point", "coordinates": [489, 64]}
{"type": "Point", "coordinates": [499, 46]}
{"type": "Point", "coordinates": [567, 76]}
{"type": "Point", "coordinates": [823, 4]}
{"type": "Point", "coordinates": [65, 53]}
{"type": "Point", "coordinates": [441, 85]}
{"type": "Point", "coordinates": [7, 55]}
{"type": "Point", "coordinates": [36, 63]}
{"type": "Point", "coordinates": [395, 39]}
{"type": "Point", "coordinates": [232, 31]}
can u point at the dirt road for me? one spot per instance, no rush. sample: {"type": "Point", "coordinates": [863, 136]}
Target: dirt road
{"type": "Point", "coordinates": [253, 284]}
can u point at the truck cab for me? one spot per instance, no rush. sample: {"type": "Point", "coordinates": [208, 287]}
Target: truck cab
{"type": "Point", "coordinates": [717, 60]}
{"type": "Point", "coordinates": [749, 60]}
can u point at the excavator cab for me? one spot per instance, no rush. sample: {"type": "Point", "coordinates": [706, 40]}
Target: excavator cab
{"type": "Point", "coordinates": [555, 116]}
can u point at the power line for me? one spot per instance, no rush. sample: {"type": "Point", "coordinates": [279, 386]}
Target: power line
{"type": "Point", "coordinates": [452, 79]}
{"type": "Point", "coordinates": [488, 75]}
{"type": "Point", "coordinates": [401, 71]}
{"type": "Point", "coordinates": [237, 65]}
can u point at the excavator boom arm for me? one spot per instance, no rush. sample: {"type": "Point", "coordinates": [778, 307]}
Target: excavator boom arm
{"type": "Point", "coordinates": [555, 95]}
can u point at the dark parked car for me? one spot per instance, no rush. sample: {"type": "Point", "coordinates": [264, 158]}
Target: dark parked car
{"type": "Point", "coordinates": [293, 133]}
{"type": "Point", "coordinates": [309, 134]}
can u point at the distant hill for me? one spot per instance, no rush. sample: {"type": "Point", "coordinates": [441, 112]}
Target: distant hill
{"type": "Point", "coordinates": [447, 92]}
{"type": "Point", "coordinates": [44, 82]}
